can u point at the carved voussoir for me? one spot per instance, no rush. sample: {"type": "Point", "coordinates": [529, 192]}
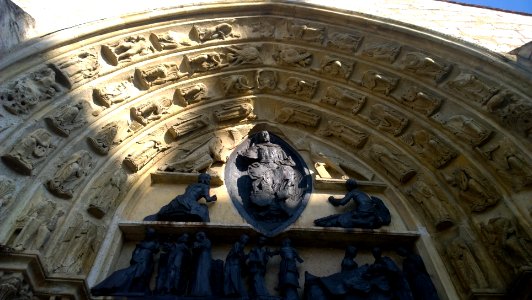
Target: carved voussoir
{"type": "Point", "coordinates": [386, 51]}
{"type": "Point", "coordinates": [298, 116]}
{"type": "Point", "coordinates": [379, 82]}
{"type": "Point", "coordinates": [266, 79]}
{"type": "Point", "coordinates": [105, 138]}
{"type": "Point", "coordinates": [236, 111]}
{"type": "Point", "coordinates": [430, 148]}
{"type": "Point", "coordinates": [68, 118]}
{"type": "Point", "coordinates": [468, 129]}
{"type": "Point", "coordinates": [236, 84]}
{"type": "Point", "coordinates": [165, 41]}
{"type": "Point", "coordinates": [387, 119]}
{"type": "Point", "coordinates": [389, 160]}
{"type": "Point", "coordinates": [420, 101]}
{"type": "Point", "coordinates": [293, 57]}
{"type": "Point", "coordinates": [474, 190]}
{"type": "Point", "coordinates": [7, 194]}
{"type": "Point", "coordinates": [301, 87]}
{"type": "Point", "coordinates": [106, 194]}
{"type": "Point", "coordinates": [113, 93]}
{"type": "Point", "coordinates": [77, 68]}
{"type": "Point", "coordinates": [204, 62]}
{"type": "Point", "coordinates": [466, 264]}
{"type": "Point", "coordinates": [344, 99]}
{"type": "Point", "coordinates": [470, 86]}
{"type": "Point", "coordinates": [344, 41]}
{"type": "Point", "coordinates": [423, 65]}
{"type": "Point", "coordinates": [150, 111]}
{"type": "Point", "coordinates": [513, 111]}
{"type": "Point", "coordinates": [191, 94]}
{"type": "Point", "coordinates": [221, 31]}
{"type": "Point", "coordinates": [346, 134]}
{"type": "Point", "coordinates": [334, 67]}
{"type": "Point", "coordinates": [262, 29]}
{"type": "Point", "coordinates": [303, 32]}
{"type": "Point", "coordinates": [20, 96]}
{"type": "Point", "coordinates": [127, 49]}
{"type": "Point", "coordinates": [243, 55]}
{"type": "Point", "coordinates": [143, 154]}
{"type": "Point", "coordinates": [160, 74]}
{"type": "Point", "coordinates": [30, 151]}
{"type": "Point", "coordinates": [70, 174]}
{"type": "Point", "coordinates": [187, 124]}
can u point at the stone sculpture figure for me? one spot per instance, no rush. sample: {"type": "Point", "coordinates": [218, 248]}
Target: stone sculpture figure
{"type": "Point", "coordinates": [198, 159]}
{"type": "Point", "coordinates": [386, 51]}
{"type": "Point", "coordinates": [112, 93]}
{"type": "Point", "coordinates": [7, 191]}
{"type": "Point", "coordinates": [465, 264]}
{"type": "Point", "coordinates": [143, 155]}
{"type": "Point", "coordinates": [156, 75]}
{"type": "Point", "coordinates": [336, 68]}
{"type": "Point", "coordinates": [82, 66]}
{"type": "Point", "coordinates": [79, 247]}
{"type": "Point", "coordinates": [127, 49]}
{"type": "Point", "coordinates": [266, 79]}
{"type": "Point", "coordinates": [104, 199]}
{"type": "Point", "coordinates": [30, 151]}
{"type": "Point", "coordinates": [298, 116]}
{"type": "Point", "coordinates": [186, 124]}
{"type": "Point", "coordinates": [348, 262]}
{"type": "Point", "coordinates": [68, 118]}
{"type": "Point", "coordinates": [437, 210]}
{"type": "Point", "coordinates": [477, 193]}
{"type": "Point", "coordinates": [70, 174]}
{"type": "Point", "coordinates": [468, 129]}
{"type": "Point", "coordinates": [346, 134]}
{"type": "Point", "coordinates": [135, 279]}
{"type": "Point", "coordinates": [293, 57]}
{"type": "Point", "coordinates": [163, 265]}
{"type": "Point", "coordinates": [234, 264]}
{"type": "Point", "coordinates": [420, 101]}
{"type": "Point", "coordinates": [185, 208]}
{"type": "Point", "coordinates": [301, 87]}
{"type": "Point", "coordinates": [393, 165]}
{"type": "Point", "coordinates": [422, 64]}
{"type": "Point", "coordinates": [258, 258]}
{"type": "Point", "coordinates": [165, 41]}
{"type": "Point", "coordinates": [22, 95]}
{"type": "Point", "coordinates": [370, 212]}
{"type": "Point", "coordinates": [305, 33]}
{"type": "Point", "coordinates": [386, 278]}
{"type": "Point", "coordinates": [204, 62]}
{"type": "Point", "coordinates": [191, 94]}
{"type": "Point", "coordinates": [150, 111]}
{"type": "Point", "coordinates": [288, 272]}
{"type": "Point", "coordinates": [506, 244]}
{"type": "Point", "coordinates": [104, 139]}
{"type": "Point", "coordinates": [431, 148]}
{"type": "Point", "coordinates": [387, 119]}
{"type": "Point", "coordinates": [472, 87]}
{"type": "Point", "coordinates": [417, 276]}
{"type": "Point", "coordinates": [344, 41]}
{"type": "Point", "coordinates": [512, 111]}
{"type": "Point", "coordinates": [201, 282]}
{"type": "Point", "coordinates": [234, 112]}
{"type": "Point", "coordinates": [243, 55]}
{"type": "Point", "coordinates": [220, 31]}
{"type": "Point", "coordinates": [235, 84]}
{"type": "Point", "coordinates": [379, 82]}
{"type": "Point", "coordinates": [178, 266]}
{"type": "Point", "coordinates": [343, 99]}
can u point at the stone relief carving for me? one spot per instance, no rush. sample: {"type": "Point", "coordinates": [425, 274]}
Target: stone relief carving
{"type": "Point", "coordinates": [466, 264]}
{"type": "Point", "coordinates": [327, 167]}
{"type": "Point", "coordinates": [379, 82]}
{"type": "Point", "coordinates": [243, 55]}
{"type": "Point", "coordinates": [79, 67]}
{"type": "Point", "coordinates": [386, 51]}
{"type": "Point", "coordinates": [346, 134]}
{"type": "Point", "coordinates": [156, 75]}
{"type": "Point", "coordinates": [344, 99]}
{"type": "Point", "coordinates": [266, 79]}
{"type": "Point", "coordinates": [420, 101]}
{"type": "Point", "coordinates": [217, 32]}
{"type": "Point", "coordinates": [513, 111]}
{"type": "Point", "coordinates": [467, 129]}
{"type": "Point", "coordinates": [150, 111]}
{"type": "Point", "coordinates": [106, 194]}
{"type": "Point", "coordinates": [76, 248]}
{"type": "Point", "coordinates": [302, 32]}
{"type": "Point", "coordinates": [387, 119]}
{"type": "Point", "coordinates": [470, 86]}
{"type": "Point", "coordinates": [427, 196]}
{"type": "Point", "coordinates": [301, 87]}
{"type": "Point", "coordinates": [109, 135]}
{"type": "Point", "coordinates": [70, 174]}
{"type": "Point", "coordinates": [336, 68]}
{"type": "Point", "coordinates": [38, 224]}
{"type": "Point", "coordinates": [191, 94]}
{"type": "Point", "coordinates": [421, 64]}
{"type": "Point", "coordinates": [474, 190]}
{"type": "Point", "coordinates": [198, 158]}
{"type": "Point", "coordinates": [204, 62]}
{"type": "Point", "coordinates": [127, 49]}
{"type": "Point", "coordinates": [14, 287]}
{"type": "Point", "coordinates": [235, 111]}
{"type": "Point", "coordinates": [30, 151]}
{"type": "Point", "coordinates": [165, 41]}
{"type": "Point", "coordinates": [392, 163]}
{"type": "Point", "coordinates": [298, 116]}
{"type": "Point", "coordinates": [22, 95]}
{"type": "Point", "coordinates": [7, 191]}
{"type": "Point", "coordinates": [187, 124]}
{"type": "Point", "coordinates": [143, 154]}
{"type": "Point", "coordinates": [235, 84]}
{"type": "Point", "coordinates": [68, 118]}
{"type": "Point", "coordinates": [293, 57]}
{"type": "Point", "coordinates": [430, 148]}
{"type": "Point", "coordinates": [112, 93]}
{"type": "Point", "coordinates": [344, 41]}
{"type": "Point", "coordinates": [510, 163]}
{"type": "Point", "coordinates": [506, 244]}
{"type": "Point", "coordinates": [264, 29]}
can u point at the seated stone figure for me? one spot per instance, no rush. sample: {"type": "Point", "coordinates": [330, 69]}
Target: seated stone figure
{"type": "Point", "coordinates": [369, 213]}
{"type": "Point", "coordinates": [185, 208]}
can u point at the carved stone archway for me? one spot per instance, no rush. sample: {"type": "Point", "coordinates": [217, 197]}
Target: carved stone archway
{"type": "Point", "coordinates": [439, 128]}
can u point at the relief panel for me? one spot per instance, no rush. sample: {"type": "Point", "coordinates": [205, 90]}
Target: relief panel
{"type": "Point", "coordinates": [116, 92]}
{"type": "Point", "coordinates": [425, 66]}
{"type": "Point", "coordinates": [147, 77]}
{"type": "Point", "coordinates": [109, 136]}
{"type": "Point", "coordinates": [420, 101]}
{"type": "Point", "coordinates": [430, 148]}
{"type": "Point", "coordinates": [220, 31]}
{"type": "Point", "coordinates": [392, 162]}
{"type": "Point", "coordinates": [266, 80]}
{"type": "Point", "coordinates": [379, 82]}
{"type": "Point", "coordinates": [165, 41]}
{"type": "Point", "coordinates": [70, 174]}
{"type": "Point", "coordinates": [68, 118]}
{"type": "Point", "coordinates": [32, 150]}
{"type": "Point", "coordinates": [344, 41]}
{"type": "Point", "coordinates": [474, 190]}
{"type": "Point", "coordinates": [467, 129]}
{"type": "Point", "coordinates": [126, 50]}
{"type": "Point", "coordinates": [387, 119]}
{"type": "Point", "coordinates": [191, 94]}
{"type": "Point", "coordinates": [187, 124]}
{"type": "Point", "coordinates": [236, 84]}
{"type": "Point", "coordinates": [293, 57]}
{"type": "Point", "coordinates": [301, 87]}
{"type": "Point", "coordinates": [204, 62]}
{"type": "Point", "coordinates": [144, 152]}
{"type": "Point", "coordinates": [105, 194]}
{"type": "Point", "coordinates": [79, 67]}
{"type": "Point", "coordinates": [384, 52]}
{"type": "Point", "coordinates": [298, 116]}
{"type": "Point", "coordinates": [345, 134]}
{"type": "Point", "coordinates": [235, 111]}
{"type": "Point", "coordinates": [472, 88]}
{"type": "Point", "coordinates": [334, 67]}
{"type": "Point", "coordinates": [306, 33]}
{"type": "Point", "coordinates": [344, 99]}
{"type": "Point", "coordinates": [150, 111]}
{"type": "Point", "coordinates": [243, 55]}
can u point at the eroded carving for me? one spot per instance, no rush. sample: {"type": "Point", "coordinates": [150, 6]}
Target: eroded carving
{"type": "Point", "coordinates": [420, 101]}
{"type": "Point", "coordinates": [468, 129]}
{"type": "Point", "coordinates": [76, 68]}
{"type": "Point", "coordinates": [243, 55]}
{"type": "Point", "coordinates": [264, 29]}
{"type": "Point", "coordinates": [204, 62]}
{"type": "Point", "coordinates": [386, 51]}
{"type": "Point", "coordinates": [110, 135]}
{"type": "Point", "coordinates": [198, 158]}
{"type": "Point", "coordinates": [156, 75]}
{"type": "Point", "coordinates": [144, 153]}
{"type": "Point", "coordinates": [466, 264]}
{"type": "Point", "coordinates": [14, 287]}
{"type": "Point", "coordinates": [150, 111]}
{"type": "Point", "coordinates": [113, 93]}
{"type": "Point", "coordinates": [379, 82]}
{"type": "Point", "coordinates": [235, 84]}
{"type": "Point", "coordinates": [435, 208]}
{"type": "Point", "coordinates": [474, 190]}
{"type": "Point", "coordinates": [298, 116]}
{"type": "Point", "coordinates": [387, 119]}
{"type": "Point", "coordinates": [301, 87]}
{"type": "Point", "coordinates": [70, 174]}
{"type": "Point", "coordinates": [431, 148]}
{"type": "Point", "coordinates": [187, 124]}
{"type": "Point", "coordinates": [7, 191]}
{"type": "Point", "coordinates": [346, 134]}
{"type": "Point", "coordinates": [217, 32]}
{"type": "Point", "coordinates": [236, 111]}
{"type": "Point", "coordinates": [344, 41]}
{"type": "Point", "coordinates": [344, 99]}
{"type": "Point", "coordinates": [305, 33]}
{"type": "Point", "coordinates": [126, 49]}
{"type": "Point", "coordinates": [391, 163]}
{"type": "Point", "coordinates": [22, 95]}
{"type": "Point", "coordinates": [165, 41]}
{"type": "Point", "coordinates": [191, 94]}
{"type": "Point", "coordinates": [266, 79]}
{"type": "Point", "coordinates": [68, 118]}
{"type": "Point", "coordinates": [421, 64]}
{"type": "Point", "coordinates": [470, 86]}
{"type": "Point", "coordinates": [30, 151]}
{"type": "Point", "coordinates": [293, 57]}
{"type": "Point", "coordinates": [513, 111]}
{"type": "Point", "coordinates": [336, 68]}
{"type": "Point", "coordinates": [106, 194]}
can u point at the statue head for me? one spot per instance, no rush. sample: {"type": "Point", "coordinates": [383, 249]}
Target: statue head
{"type": "Point", "coordinates": [377, 252]}
{"type": "Point", "coordinates": [201, 236]}
{"type": "Point", "coordinates": [351, 251]}
{"type": "Point", "coordinates": [150, 234]}
{"type": "Point", "coordinates": [264, 136]}
{"type": "Point", "coordinates": [244, 239]}
{"type": "Point", "coordinates": [183, 238]}
{"type": "Point", "coordinates": [351, 184]}
{"type": "Point", "coordinates": [204, 178]}
{"type": "Point", "coordinates": [286, 242]}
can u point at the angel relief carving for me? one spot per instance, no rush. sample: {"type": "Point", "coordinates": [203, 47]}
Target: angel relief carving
{"type": "Point", "coordinates": [112, 93]}
{"type": "Point", "coordinates": [68, 118]}
{"type": "Point", "coordinates": [392, 163]}
{"type": "Point", "coordinates": [156, 75]}
{"type": "Point", "coordinates": [81, 66]}
{"type": "Point", "coordinates": [420, 101]}
{"type": "Point", "coordinates": [127, 49]}
{"type": "Point", "coordinates": [30, 151]}
{"type": "Point", "coordinates": [344, 99]}
{"type": "Point", "coordinates": [70, 174]}
{"type": "Point", "coordinates": [431, 148]}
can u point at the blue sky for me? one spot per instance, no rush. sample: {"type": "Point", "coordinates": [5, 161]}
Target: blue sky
{"type": "Point", "coordinates": [514, 5]}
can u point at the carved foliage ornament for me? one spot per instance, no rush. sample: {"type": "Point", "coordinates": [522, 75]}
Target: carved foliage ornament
{"type": "Point", "coordinates": [268, 182]}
